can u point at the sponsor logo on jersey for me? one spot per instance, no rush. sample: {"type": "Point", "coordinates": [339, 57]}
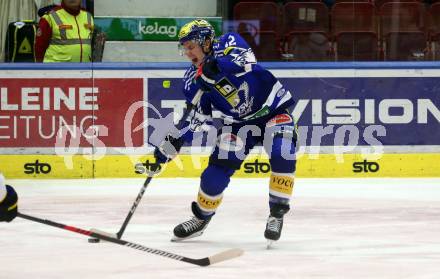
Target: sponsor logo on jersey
{"type": "Point", "coordinates": [262, 112]}
{"type": "Point", "coordinates": [281, 93]}
{"type": "Point", "coordinates": [225, 87]}
{"type": "Point", "coordinates": [279, 120]}
{"type": "Point", "coordinates": [230, 142]}
{"type": "Point", "coordinates": [208, 203]}
{"type": "Point", "coordinates": [37, 168]}
{"type": "Point", "coordinates": [281, 185]}
{"type": "Point", "coordinates": [228, 91]}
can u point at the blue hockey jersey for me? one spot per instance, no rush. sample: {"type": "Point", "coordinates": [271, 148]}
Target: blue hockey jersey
{"type": "Point", "coordinates": [243, 90]}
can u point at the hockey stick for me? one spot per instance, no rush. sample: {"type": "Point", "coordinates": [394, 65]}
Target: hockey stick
{"type": "Point", "coordinates": [179, 125]}
{"type": "Point", "coordinates": [219, 257]}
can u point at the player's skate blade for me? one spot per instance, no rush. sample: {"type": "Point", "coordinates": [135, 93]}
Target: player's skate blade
{"type": "Point", "coordinates": [273, 230]}
{"type": "Point", "coordinates": [192, 228]}
{"type": "Point", "coordinates": [178, 239]}
{"type": "Point", "coordinates": [270, 244]}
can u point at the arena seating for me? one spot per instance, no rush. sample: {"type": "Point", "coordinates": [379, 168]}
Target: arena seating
{"type": "Point", "coordinates": [306, 29]}
{"type": "Point", "coordinates": [354, 31]}
{"type": "Point", "coordinates": [403, 31]}
{"type": "Point", "coordinates": [434, 30]}
{"type": "Point", "coordinates": [358, 30]}
{"type": "Point", "coordinates": [260, 23]}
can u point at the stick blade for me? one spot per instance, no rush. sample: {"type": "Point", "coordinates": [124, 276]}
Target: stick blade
{"type": "Point", "coordinates": [97, 240]}
{"type": "Point", "coordinates": [225, 255]}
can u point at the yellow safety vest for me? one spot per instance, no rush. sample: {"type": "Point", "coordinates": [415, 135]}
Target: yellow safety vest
{"type": "Point", "coordinates": [71, 37]}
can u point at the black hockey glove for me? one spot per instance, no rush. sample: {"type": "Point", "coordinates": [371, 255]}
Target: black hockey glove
{"type": "Point", "coordinates": [168, 149]}
{"type": "Point", "coordinates": [207, 72]}
{"type": "Point", "coordinates": [8, 206]}
{"type": "Point", "coordinates": [210, 67]}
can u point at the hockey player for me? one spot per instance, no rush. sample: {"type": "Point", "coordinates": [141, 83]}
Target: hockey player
{"type": "Point", "coordinates": [8, 201]}
{"type": "Point", "coordinates": [255, 108]}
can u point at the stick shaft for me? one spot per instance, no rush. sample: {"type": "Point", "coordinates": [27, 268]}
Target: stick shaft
{"type": "Point", "coordinates": [200, 262]}
{"type": "Point", "coordinates": [179, 125]}
{"type": "Point", "coordinates": [133, 207]}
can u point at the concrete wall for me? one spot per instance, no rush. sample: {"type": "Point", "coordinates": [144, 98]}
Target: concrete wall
{"type": "Point", "coordinates": [156, 8]}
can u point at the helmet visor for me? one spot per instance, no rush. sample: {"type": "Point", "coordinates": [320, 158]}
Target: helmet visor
{"type": "Point", "coordinates": [184, 47]}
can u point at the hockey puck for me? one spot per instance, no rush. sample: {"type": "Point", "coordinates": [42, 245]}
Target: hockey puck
{"type": "Point", "coordinates": [93, 240]}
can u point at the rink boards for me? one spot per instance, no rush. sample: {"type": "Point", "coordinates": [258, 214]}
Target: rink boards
{"type": "Point", "coordinates": [354, 120]}
{"type": "Point", "coordinates": [324, 165]}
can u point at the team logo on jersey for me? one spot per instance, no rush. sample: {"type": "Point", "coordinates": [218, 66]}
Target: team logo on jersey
{"type": "Point", "coordinates": [246, 107]}
{"type": "Point", "coordinates": [280, 119]}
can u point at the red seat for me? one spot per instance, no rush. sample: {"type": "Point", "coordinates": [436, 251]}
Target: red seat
{"type": "Point", "coordinates": [265, 16]}
{"type": "Point", "coordinates": [434, 29]}
{"type": "Point", "coordinates": [259, 23]}
{"type": "Point", "coordinates": [357, 46]}
{"type": "Point", "coordinates": [306, 27]}
{"type": "Point", "coordinates": [403, 31]}
{"type": "Point", "coordinates": [306, 16]}
{"type": "Point", "coordinates": [354, 27]}
{"type": "Point", "coordinates": [402, 16]}
{"type": "Point", "coordinates": [288, 1]}
{"type": "Point", "coordinates": [434, 18]}
{"type": "Point", "coordinates": [265, 44]}
{"type": "Point", "coordinates": [357, 1]}
{"type": "Point", "coordinates": [353, 16]}
{"type": "Point", "coordinates": [308, 46]}
{"type": "Point", "coordinates": [435, 42]}
{"type": "Point", "coordinates": [406, 46]}
{"type": "Point", "coordinates": [378, 3]}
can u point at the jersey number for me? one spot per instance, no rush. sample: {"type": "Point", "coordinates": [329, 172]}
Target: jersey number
{"type": "Point", "coordinates": [231, 41]}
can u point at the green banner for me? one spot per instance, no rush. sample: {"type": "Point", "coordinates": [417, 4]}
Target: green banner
{"type": "Point", "coordinates": [147, 29]}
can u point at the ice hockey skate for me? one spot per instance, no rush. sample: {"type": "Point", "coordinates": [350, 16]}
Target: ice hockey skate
{"type": "Point", "coordinates": [193, 227]}
{"type": "Point", "coordinates": [274, 224]}
{"type": "Point", "coordinates": [273, 230]}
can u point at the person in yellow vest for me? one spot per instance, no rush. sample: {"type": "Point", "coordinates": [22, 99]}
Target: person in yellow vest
{"type": "Point", "coordinates": [65, 34]}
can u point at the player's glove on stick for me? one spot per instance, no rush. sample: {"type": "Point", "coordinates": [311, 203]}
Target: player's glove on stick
{"type": "Point", "coordinates": [206, 73]}
{"type": "Point", "coordinates": [168, 149]}
{"type": "Point", "coordinates": [8, 206]}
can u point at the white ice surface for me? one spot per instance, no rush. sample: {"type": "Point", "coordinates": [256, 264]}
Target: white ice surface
{"type": "Point", "coordinates": [338, 228]}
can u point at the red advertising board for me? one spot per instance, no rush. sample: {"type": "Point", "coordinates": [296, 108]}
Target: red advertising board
{"type": "Point", "coordinates": [34, 112]}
